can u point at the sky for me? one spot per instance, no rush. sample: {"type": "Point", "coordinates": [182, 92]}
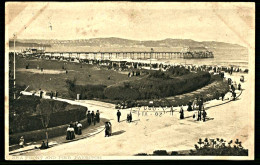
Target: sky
{"type": "Point", "coordinates": [224, 22]}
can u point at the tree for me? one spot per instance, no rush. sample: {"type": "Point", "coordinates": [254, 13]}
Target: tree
{"type": "Point", "coordinates": [45, 109]}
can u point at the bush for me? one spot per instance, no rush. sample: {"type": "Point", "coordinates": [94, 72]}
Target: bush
{"type": "Point", "coordinates": [218, 147]}
{"type": "Point", "coordinates": [178, 71]}
{"type": "Point", "coordinates": [24, 116]}
{"type": "Point", "coordinates": [155, 88]}
{"type": "Point", "coordinates": [159, 74]}
{"type": "Point", "coordinates": [160, 152]}
{"type": "Point", "coordinates": [88, 91]}
{"type": "Point", "coordinates": [121, 93]}
{"type": "Point", "coordinates": [141, 154]}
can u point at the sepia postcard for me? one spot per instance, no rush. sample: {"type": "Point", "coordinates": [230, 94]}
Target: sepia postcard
{"type": "Point", "coordinates": [129, 80]}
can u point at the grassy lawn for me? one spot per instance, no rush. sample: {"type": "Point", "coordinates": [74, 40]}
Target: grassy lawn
{"type": "Point", "coordinates": [53, 82]}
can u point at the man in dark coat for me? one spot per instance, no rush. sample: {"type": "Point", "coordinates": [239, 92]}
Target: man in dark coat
{"type": "Point", "coordinates": [189, 106]}
{"type": "Point", "coordinates": [118, 116]}
{"type": "Point", "coordinates": [51, 95]}
{"type": "Point", "coordinates": [199, 115]}
{"type": "Point", "coordinates": [97, 116]}
{"type": "Point", "coordinates": [89, 118]}
{"type": "Point", "coordinates": [41, 92]}
{"type": "Point", "coordinates": [239, 86]}
{"type": "Point", "coordinates": [130, 117]}
{"type": "Point", "coordinates": [92, 116]}
{"type": "Point", "coordinates": [204, 114]}
{"type": "Point", "coordinates": [234, 95]}
{"type": "Point", "coordinates": [107, 129]}
{"type": "Point", "coordinates": [56, 94]}
{"type": "Point", "coordinates": [181, 113]}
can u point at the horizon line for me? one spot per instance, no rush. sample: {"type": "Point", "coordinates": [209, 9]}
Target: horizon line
{"type": "Point", "coordinates": [130, 39]}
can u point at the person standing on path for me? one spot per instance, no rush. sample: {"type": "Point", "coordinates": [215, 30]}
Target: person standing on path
{"type": "Point", "coordinates": [130, 117]}
{"type": "Point", "coordinates": [204, 114]}
{"type": "Point", "coordinates": [51, 96]}
{"type": "Point", "coordinates": [41, 92]}
{"type": "Point", "coordinates": [181, 113]}
{"type": "Point", "coordinates": [239, 86]}
{"type": "Point", "coordinates": [92, 116]}
{"type": "Point", "coordinates": [222, 96]}
{"type": "Point", "coordinates": [56, 94]}
{"type": "Point", "coordinates": [97, 116]}
{"type": "Point", "coordinates": [118, 116]}
{"type": "Point", "coordinates": [199, 115]}
{"type": "Point", "coordinates": [89, 118]}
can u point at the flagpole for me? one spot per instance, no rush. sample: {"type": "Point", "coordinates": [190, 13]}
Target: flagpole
{"type": "Point", "coordinates": [14, 66]}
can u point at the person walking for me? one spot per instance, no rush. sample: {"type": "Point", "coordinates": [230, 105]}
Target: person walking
{"type": "Point", "coordinates": [181, 113]}
{"type": "Point", "coordinates": [41, 92]}
{"type": "Point", "coordinates": [97, 116]}
{"type": "Point", "coordinates": [130, 117]}
{"type": "Point", "coordinates": [222, 96]}
{"type": "Point", "coordinates": [239, 86]}
{"type": "Point", "coordinates": [56, 94]}
{"type": "Point", "coordinates": [199, 115]}
{"type": "Point", "coordinates": [234, 95]}
{"type": "Point", "coordinates": [106, 129]}
{"type": "Point", "coordinates": [118, 116]}
{"type": "Point", "coordinates": [204, 114]}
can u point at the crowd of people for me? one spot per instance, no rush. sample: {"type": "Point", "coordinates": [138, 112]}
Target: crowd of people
{"type": "Point", "coordinates": [93, 118]}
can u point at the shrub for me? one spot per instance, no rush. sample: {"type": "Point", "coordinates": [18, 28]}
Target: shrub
{"type": "Point", "coordinates": [160, 152]}
{"type": "Point", "coordinates": [218, 147]}
{"type": "Point", "coordinates": [159, 74]}
{"type": "Point", "coordinates": [177, 71]}
{"type": "Point", "coordinates": [24, 116]}
{"type": "Point", "coordinates": [121, 93]}
{"type": "Point", "coordinates": [141, 154]}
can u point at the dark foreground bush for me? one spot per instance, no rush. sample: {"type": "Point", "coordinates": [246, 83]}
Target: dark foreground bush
{"type": "Point", "coordinates": [160, 152]}
{"type": "Point", "coordinates": [219, 147]}
{"type": "Point", "coordinates": [25, 117]}
{"type": "Point", "coordinates": [141, 154]}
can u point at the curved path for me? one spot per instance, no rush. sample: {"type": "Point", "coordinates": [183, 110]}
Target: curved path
{"type": "Point", "coordinates": [166, 132]}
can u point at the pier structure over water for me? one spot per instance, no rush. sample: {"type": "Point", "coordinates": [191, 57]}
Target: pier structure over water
{"type": "Point", "coordinates": [185, 52]}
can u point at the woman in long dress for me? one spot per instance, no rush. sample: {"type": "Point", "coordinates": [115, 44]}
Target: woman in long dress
{"type": "Point", "coordinates": [72, 133]}
{"type": "Point", "coordinates": [68, 137]}
{"type": "Point", "coordinates": [79, 126]}
{"type": "Point", "coordinates": [181, 113]}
